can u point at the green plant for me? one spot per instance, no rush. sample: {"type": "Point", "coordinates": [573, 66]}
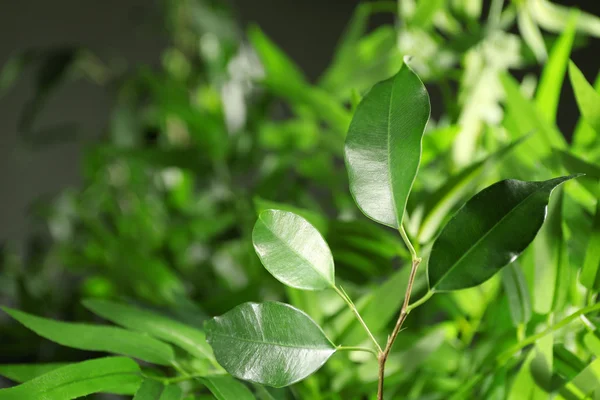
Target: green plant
{"type": "Point", "coordinates": [160, 235]}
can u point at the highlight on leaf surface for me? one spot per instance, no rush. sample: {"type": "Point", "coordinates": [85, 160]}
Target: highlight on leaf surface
{"type": "Point", "coordinates": [383, 146]}
{"type": "Point", "coordinates": [489, 232]}
{"type": "Point", "coordinates": [293, 250]}
{"type": "Point", "coordinates": [269, 343]}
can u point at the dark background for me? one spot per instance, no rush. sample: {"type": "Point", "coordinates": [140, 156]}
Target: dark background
{"type": "Point", "coordinates": [131, 29]}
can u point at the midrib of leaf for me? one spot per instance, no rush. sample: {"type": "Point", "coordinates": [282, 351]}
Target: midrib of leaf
{"type": "Point", "coordinates": [389, 154]}
{"type": "Point", "coordinates": [275, 344]}
{"type": "Point", "coordinates": [481, 239]}
{"type": "Point", "coordinates": [296, 253]}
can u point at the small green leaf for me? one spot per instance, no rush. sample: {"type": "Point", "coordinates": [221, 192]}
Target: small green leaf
{"type": "Point", "coordinates": [188, 338]}
{"type": "Point", "coordinates": [517, 293]}
{"type": "Point", "coordinates": [489, 232]}
{"type": "Point", "coordinates": [293, 251]}
{"type": "Point", "coordinates": [224, 387]}
{"type": "Point", "coordinates": [270, 343]}
{"type": "Point", "coordinates": [154, 390]}
{"type": "Point", "coordinates": [383, 146]}
{"type": "Point", "coordinates": [118, 375]}
{"type": "Point", "coordinates": [97, 338]}
{"type": "Point", "coordinates": [587, 98]}
{"type": "Point", "coordinates": [24, 372]}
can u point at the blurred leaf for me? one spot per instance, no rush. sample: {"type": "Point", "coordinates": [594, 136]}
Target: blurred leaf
{"type": "Point", "coordinates": [502, 221]}
{"type": "Point", "coordinates": [25, 372]}
{"type": "Point", "coordinates": [531, 34]}
{"type": "Point", "coordinates": [281, 347]}
{"type": "Point", "coordinates": [589, 276]}
{"type": "Point", "coordinates": [117, 375]}
{"type": "Point", "coordinates": [517, 292]}
{"type": "Point", "coordinates": [383, 147]}
{"type": "Point", "coordinates": [225, 387]}
{"type": "Point", "coordinates": [554, 17]}
{"type": "Point", "coordinates": [153, 390]}
{"type": "Point", "coordinates": [585, 137]}
{"type": "Point", "coordinates": [587, 98]}
{"type": "Point", "coordinates": [553, 74]}
{"type": "Point", "coordinates": [188, 338]}
{"type": "Point", "coordinates": [97, 338]}
{"type": "Point", "coordinates": [293, 251]}
{"type": "Point", "coordinates": [592, 171]}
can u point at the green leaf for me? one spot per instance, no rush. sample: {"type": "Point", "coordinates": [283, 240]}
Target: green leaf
{"type": "Point", "coordinates": [97, 338]}
{"type": "Point", "coordinates": [574, 164]}
{"type": "Point", "coordinates": [531, 34]}
{"type": "Point", "coordinates": [589, 277]}
{"type": "Point", "coordinates": [314, 218]}
{"type": "Point", "coordinates": [587, 98]}
{"type": "Point", "coordinates": [269, 343]}
{"type": "Point", "coordinates": [118, 375]}
{"type": "Point", "coordinates": [188, 338]}
{"type": "Point", "coordinates": [224, 387]}
{"type": "Point", "coordinates": [24, 372]}
{"type": "Point", "coordinates": [293, 250]}
{"type": "Point", "coordinates": [153, 390]}
{"type": "Point", "coordinates": [585, 137]}
{"type": "Point", "coordinates": [548, 92]}
{"type": "Point", "coordinates": [383, 146]}
{"type": "Point", "coordinates": [517, 293]}
{"type": "Point", "coordinates": [488, 232]}
{"type": "Point", "coordinates": [438, 205]}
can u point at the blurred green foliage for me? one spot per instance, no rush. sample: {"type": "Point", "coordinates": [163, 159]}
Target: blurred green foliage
{"type": "Point", "coordinates": [229, 126]}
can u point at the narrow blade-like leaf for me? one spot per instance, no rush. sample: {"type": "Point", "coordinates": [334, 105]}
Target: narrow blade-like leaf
{"type": "Point", "coordinates": [118, 375]}
{"type": "Point", "coordinates": [517, 293]}
{"type": "Point", "coordinates": [293, 250]}
{"type": "Point", "coordinates": [383, 146]}
{"type": "Point", "coordinates": [224, 387]}
{"type": "Point", "coordinates": [97, 338]}
{"type": "Point", "coordinates": [587, 98]}
{"type": "Point", "coordinates": [188, 338]}
{"type": "Point", "coordinates": [270, 343]}
{"type": "Point", "coordinates": [24, 372]}
{"type": "Point", "coordinates": [489, 232]}
{"type": "Point", "coordinates": [590, 277]}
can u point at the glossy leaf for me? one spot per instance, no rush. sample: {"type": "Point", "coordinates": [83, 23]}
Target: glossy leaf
{"type": "Point", "coordinates": [109, 339]}
{"type": "Point", "coordinates": [293, 251]}
{"type": "Point", "coordinates": [488, 232]}
{"type": "Point", "coordinates": [154, 390]}
{"type": "Point", "coordinates": [118, 375]}
{"type": "Point", "coordinates": [587, 98]}
{"type": "Point", "coordinates": [24, 372]}
{"type": "Point", "coordinates": [269, 343]}
{"type": "Point", "coordinates": [224, 387]}
{"type": "Point", "coordinates": [383, 146]}
{"type": "Point", "coordinates": [188, 338]}
{"type": "Point", "coordinates": [517, 293]}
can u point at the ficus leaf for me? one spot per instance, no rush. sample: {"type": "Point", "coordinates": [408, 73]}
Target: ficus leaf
{"type": "Point", "coordinates": [383, 146]}
{"type": "Point", "coordinates": [269, 343]}
{"type": "Point", "coordinates": [97, 338]}
{"type": "Point", "coordinates": [224, 387]}
{"type": "Point", "coordinates": [293, 251]}
{"type": "Point", "coordinates": [489, 232]}
{"type": "Point", "coordinates": [118, 375]}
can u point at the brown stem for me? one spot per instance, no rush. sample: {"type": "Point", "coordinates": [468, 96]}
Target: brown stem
{"type": "Point", "coordinates": [383, 356]}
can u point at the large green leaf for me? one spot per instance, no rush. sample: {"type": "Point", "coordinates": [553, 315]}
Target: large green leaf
{"type": "Point", "coordinates": [24, 372]}
{"type": "Point", "coordinates": [383, 146]}
{"type": "Point", "coordinates": [293, 250]}
{"type": "Point", "coordinates": [224, 387]}
{"type": "Point", "coordinates": [488, 232]}
{"type": "Point", "coordinates": [117, 375]}
{"type": "Point", "coordinates": [154, 390]}
{"type": "Point", "coordinates": [587, 98]}
{"type": "Point", "coordinates": [270, 343]}
{"type": "Point", "coordinates": [97, 338]}
{"type": "Point", "coordinates": [188, 338]}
